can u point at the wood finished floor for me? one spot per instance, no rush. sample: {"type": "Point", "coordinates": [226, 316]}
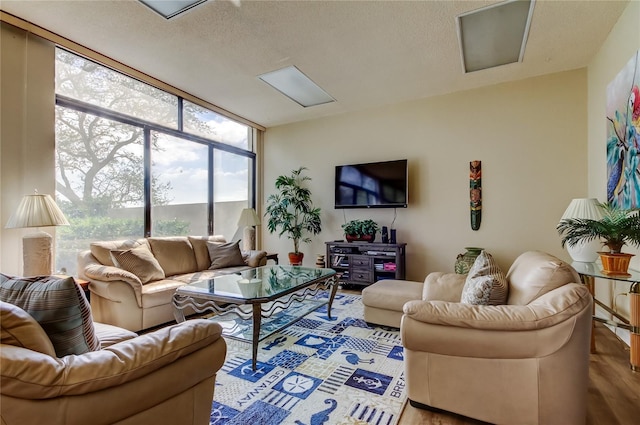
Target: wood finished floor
{"type": "Point", "coordinates": [613, 395]}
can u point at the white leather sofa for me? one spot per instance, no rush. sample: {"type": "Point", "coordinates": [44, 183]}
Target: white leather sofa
{"type": "Point", "coordinates": [124, 299]}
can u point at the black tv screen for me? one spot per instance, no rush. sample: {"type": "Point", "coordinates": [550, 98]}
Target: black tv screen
{"type": "Point", "coordinates": [372, 185]}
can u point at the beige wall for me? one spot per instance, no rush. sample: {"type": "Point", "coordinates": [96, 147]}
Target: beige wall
{"type": "Point", "coordinates": [623, 42]}
{"type": "Point", "coordinates": [530, 136]}
{"type": "Point", "coordinates": [27, 131]}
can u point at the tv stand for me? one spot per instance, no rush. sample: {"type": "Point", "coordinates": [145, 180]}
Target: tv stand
{"type": "Point", "coordinates": [364, 263]}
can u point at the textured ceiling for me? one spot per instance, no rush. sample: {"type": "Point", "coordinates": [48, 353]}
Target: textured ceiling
{"type": "Point", "coordinates": [363, 53]}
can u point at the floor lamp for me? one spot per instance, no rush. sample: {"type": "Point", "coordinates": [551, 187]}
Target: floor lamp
{"type": "Point", "coordinates": [37, 210]}
{"type": "Point", "coordinates": [248, 219]}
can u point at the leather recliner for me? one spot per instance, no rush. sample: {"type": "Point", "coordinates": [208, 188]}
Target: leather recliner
{"type": "Point", "coordinates": [163, 377]}
{"type": "Point", "coordinates": [526, 362]}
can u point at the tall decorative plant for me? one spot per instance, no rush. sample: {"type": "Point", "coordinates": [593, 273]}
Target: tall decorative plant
{"type": "Point", "coordinates": [290, 211]}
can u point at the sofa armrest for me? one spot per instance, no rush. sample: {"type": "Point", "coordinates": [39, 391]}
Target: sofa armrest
{"type": "Point", "coordinates": [91, 269]}
{"type": "Point", "coordinates": [503, 331]}
{"type": "Point", "coordinates": [443, 286]}
{"type": "Point", "coordinates": [255, 258]}
{"type": "Point", "coordinates": [31, 375]}
{"type": "Point", "coordinates": [543, 312]}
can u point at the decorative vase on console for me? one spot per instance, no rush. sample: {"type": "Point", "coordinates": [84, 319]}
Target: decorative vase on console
{"type": "Point", "coordinates": [465, 261]}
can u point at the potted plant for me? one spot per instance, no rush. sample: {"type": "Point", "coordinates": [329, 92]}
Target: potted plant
{"type": "Point", "coordinates": [360, 230]}
{"type": "Point", "coordinates": [617, 227]}
{"type": "Point", "coordinates": [290, 211]}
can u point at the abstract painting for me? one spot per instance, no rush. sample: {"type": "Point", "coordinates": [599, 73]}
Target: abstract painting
{"type": "Point", "coordinates": [623, 136]}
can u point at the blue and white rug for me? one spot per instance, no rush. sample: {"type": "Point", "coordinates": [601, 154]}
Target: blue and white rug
{"type": "Point", "coordinates": [316, 371]}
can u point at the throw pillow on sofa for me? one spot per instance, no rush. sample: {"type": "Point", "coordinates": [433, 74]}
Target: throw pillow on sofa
{"type": "Point", "coordinates": [139, 261]}
{"type": "Point", "coordinates": [58, 305]}
{"type": "Point", "coordinates": [225, 255]}
{"type": "Point", "coordinates": [201, 251]}
{"type": "Point", "coordinates": [102, 250]}
{"type": "Point", "coordinates": [174, 254]}
{"type": "Point", "coordinates": [485, 284]}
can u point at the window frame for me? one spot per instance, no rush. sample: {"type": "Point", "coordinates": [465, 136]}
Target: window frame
{"type": "Point", "coordinates": [147, 127]}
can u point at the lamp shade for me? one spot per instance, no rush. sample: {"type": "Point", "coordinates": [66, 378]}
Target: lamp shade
{"type": "Point", "coordinates": [37, 210]}
{"type": "Point", "coordinates": [584, 208]}
{"type": "Point", "coordinates": [248, 217]}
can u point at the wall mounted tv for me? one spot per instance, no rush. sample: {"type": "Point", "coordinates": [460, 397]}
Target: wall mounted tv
{"type": "Point", "coordinates": [372, 185]}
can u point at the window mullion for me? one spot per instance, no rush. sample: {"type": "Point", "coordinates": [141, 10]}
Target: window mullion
{"type": "Point", "coordinates": [180, 114]}
{"type": "Point", "coordinates": [147, 182]}
{"type": "Point", "coordinates": [211, 189]}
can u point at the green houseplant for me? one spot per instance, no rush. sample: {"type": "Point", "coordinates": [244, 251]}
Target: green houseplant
{"type": "Point", "coordinates": [360, 230]}
{"type": "Point", "coordinates": [290, 212]}
{"type": "Point", "coordinates": [617, 227]}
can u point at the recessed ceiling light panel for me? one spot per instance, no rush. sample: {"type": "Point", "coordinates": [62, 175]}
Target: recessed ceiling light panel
{"type": "Point", "coordinates": [495, 35]}
{"type": "Point", "coordinates": [170, 8]}
{"type": "Point", "coordinates": [291, 82]}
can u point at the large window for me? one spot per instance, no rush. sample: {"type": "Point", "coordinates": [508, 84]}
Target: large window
{"type": "Point", "coordinates": [130, 165]}
{"type": "Point", "coordinates": [179, 172]}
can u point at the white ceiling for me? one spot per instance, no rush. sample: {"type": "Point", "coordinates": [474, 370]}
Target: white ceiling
{"type": "Point", "coordinates": [363, 53]}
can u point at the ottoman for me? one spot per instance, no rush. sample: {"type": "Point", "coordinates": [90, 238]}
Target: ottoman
{"type": "Point", "coordinates": [384, 299]}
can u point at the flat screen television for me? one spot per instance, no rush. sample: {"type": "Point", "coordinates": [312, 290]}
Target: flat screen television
{"type": "Point", "coordinates": [372, 185]}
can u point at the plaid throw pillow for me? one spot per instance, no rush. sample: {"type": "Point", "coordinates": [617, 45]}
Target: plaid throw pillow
{"type": "Point", "coordinates": [58, 305]}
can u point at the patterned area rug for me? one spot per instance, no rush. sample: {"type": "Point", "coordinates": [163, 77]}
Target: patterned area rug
{"type": "Point", "coordinates": [316, 371]}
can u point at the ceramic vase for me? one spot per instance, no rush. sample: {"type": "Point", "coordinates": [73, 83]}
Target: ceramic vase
{"type": "Point", "coordinates": [465, 261]}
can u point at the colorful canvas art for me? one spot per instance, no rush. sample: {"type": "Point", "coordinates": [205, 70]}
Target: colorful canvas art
{"type": "Point", "coordinates": [623, 136]}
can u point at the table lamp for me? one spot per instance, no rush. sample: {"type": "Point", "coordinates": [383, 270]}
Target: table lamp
{"type": "Point", "coordinates": [248, 219]}
{"type": "Point", "coordinates": [585, 252]}
{"type": "Point", "coordinates": [37, 210]}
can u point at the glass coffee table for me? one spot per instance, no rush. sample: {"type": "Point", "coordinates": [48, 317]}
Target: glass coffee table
{"type": "Point", "coordinates": [256, 294]}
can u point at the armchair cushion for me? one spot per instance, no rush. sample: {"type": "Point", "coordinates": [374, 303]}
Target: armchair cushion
{"type": "Point", "coordinates": [59, 306]}
{"type": "Point", "coordinates": [139, 261]}
{"type": "Point", "coordinates": [485, 283]}
{"type": "Point", "coordinates": [225, 255]}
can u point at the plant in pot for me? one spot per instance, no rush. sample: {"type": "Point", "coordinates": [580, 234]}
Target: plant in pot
{"type": "Point", "coordinates": [360, 230]}
{"type": "Point", "coordinates": [290, 212]}
{"type": "Point", "coordinates": [617, 227]}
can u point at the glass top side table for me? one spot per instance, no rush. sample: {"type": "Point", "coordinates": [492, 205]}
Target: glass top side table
{"type": "Point", "coordinates": [588, 273]}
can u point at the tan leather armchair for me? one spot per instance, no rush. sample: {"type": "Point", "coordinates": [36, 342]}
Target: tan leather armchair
{"type": "Point", "coordinates": [522, 363]}
{"type": "Point", "coordinates": [163, 377]}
